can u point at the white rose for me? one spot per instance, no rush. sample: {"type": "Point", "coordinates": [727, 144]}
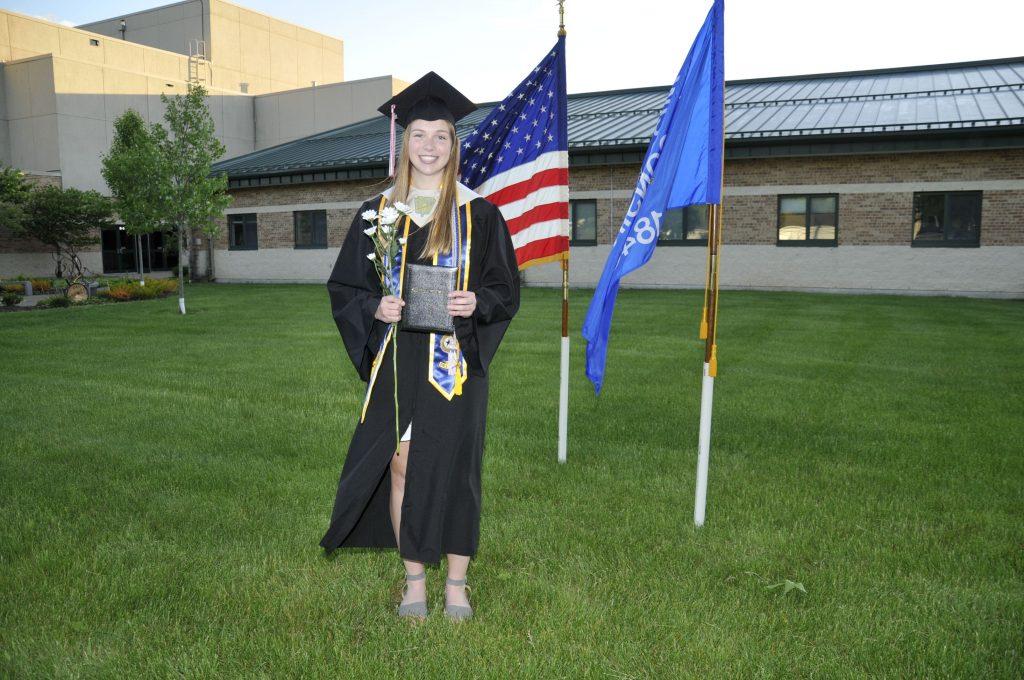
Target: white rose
{"type": "Point", "coordinates": [389, 215]}
{"type": "Point", "coordinates": [386, 229]}
{"type": "Point", "coordinates": [401, 239]}
{"type": "Point", "coordinates": [369, 215]}
{"type": "Point", "coordinates": [371, 256]}
{"type": "Point", "coordinates": [402, 208]}
{"type": "Point", "coordinates": [371, 231]}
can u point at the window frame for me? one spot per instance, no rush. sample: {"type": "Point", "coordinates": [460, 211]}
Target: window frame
{"type": "Point", "coordinates": [295, 230]}
{"type": "Point", "coordinates": [945, 242]}
{"type": "Point", "coordinates": [255, 231]}
{"type": "Point", "coordinates": [806, 242]}
{"type": "Point", "coordinates": [573, 241]}
{"type": "Point", "coordinates": [687, 242]}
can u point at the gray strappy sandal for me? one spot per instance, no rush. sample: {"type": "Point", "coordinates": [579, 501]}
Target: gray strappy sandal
{"type": "Point", "coordinates": [457, 612]}
{"type": "Point", "coordinates": [413, 609]}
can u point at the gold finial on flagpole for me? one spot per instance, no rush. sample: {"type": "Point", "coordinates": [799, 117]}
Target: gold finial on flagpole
{"type": "Point", "coordinates": [561, 18]}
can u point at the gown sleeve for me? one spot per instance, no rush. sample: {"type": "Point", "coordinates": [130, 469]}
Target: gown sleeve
{"type": "Point", "coordinates": [497, 292]}
{"type": "Point", "coordinates": [355, 292]}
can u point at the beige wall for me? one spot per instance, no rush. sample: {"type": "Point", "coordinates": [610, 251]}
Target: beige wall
{"type": "Point", "coordinates": [269, 54]}
{"type": "Point", "coordinates": [243, 46]}
{"type": "Point", "coordinates": [22, 37]}
{"type": "Point", "coordinates": [284, 116]}
{"type": "Point", "coordinates": [31, 115]}
{"type": "Point", "coordinates": [61, 114]}
{"type": "Point", "coordinates": [167, 28]}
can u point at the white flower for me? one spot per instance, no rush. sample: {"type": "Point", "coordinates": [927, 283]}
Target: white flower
{"type": "Point", "coordinates": [371, 256]}
{"type": "Point", "coordinates": [370, 232]}
{"type": "Point", "coordinates": [402, 208]}
{"type": "Point", "coordinates": [386, 229]}
{"type": "Point", "coordinates": [389, 215]}
{"type": "Point", "coordinates": [369, 215]}
{"type": "Point", "coordinates": [401, 239]}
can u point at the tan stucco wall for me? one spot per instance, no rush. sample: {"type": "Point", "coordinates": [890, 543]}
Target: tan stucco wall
{"type": "Point", "coordinates": [284, 116]}
{"type": "Point", "coordinates": [242, 45]}
{"type": "Point", "coordinates": [168, 28]}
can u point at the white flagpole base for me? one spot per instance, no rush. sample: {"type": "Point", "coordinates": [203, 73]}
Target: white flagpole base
{"type": "Point", "coordinates": [563, 404]}
{"type": "Point", "coordinates": [181, 304]}
{"type": "Point", "coordinates": [703, 448]}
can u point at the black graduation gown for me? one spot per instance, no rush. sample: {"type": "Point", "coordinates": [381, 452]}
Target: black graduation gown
{"type": "Point", "coordinates": [441, 505]}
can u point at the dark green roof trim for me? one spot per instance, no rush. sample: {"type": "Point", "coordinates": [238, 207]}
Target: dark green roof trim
{"type": "Point", "coordinates": [883, 71]}
{"type": "Point", "coordinates": [967, 104]}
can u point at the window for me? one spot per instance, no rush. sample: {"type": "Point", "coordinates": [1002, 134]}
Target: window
{"type": "Point", "coordinates": [950, 218]}
{"type": "Point", "coordinates": [808, 220]}
{"type": "Point", "coordinates": [583, 217]}
{"type": "Point", "coordinates": [310, 228]}
{"type": "Point", "coordinates": [242, 232]}
{"type": "Point", "coordinates": [684, 226]}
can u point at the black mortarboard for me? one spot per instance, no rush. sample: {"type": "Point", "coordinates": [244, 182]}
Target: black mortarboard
{"type": "Point", "coordinates": [429, 98]}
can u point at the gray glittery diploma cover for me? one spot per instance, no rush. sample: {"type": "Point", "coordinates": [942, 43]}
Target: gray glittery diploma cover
{"type": "Point", "coordinates": [425, 291]}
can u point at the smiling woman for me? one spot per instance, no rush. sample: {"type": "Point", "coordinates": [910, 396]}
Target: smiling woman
{"type": "Point", "coordinates": [423, 496]}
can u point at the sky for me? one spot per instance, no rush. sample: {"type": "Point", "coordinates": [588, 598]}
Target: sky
{"type": "Point", "coordinates": [485, 47]}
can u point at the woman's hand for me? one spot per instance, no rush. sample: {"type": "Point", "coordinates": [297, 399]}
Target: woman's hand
{"type": "Point", "coordinates": [461, 303]}
{"type": "Point", "coordinates": [390, 309]}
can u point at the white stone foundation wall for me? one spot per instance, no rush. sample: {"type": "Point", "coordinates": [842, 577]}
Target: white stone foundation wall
{"type": "Point", "coordinates": [42, 264]}
{"type": "Point", "coordinates": [990, 271]}
{"type": "Point", "coordinates": [274, 265]}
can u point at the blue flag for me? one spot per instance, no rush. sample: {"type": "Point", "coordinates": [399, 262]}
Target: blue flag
{"type": "Point", "coordinates": [683, 166]}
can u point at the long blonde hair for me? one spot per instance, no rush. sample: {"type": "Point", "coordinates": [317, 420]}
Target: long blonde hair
{"type": "Point", "coordinates": [439, 239]}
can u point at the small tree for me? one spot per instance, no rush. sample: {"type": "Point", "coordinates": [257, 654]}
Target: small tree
{"type": "Point", "coordinates": [137, 175]}
{"type": "Point", "coordinates": [14, 193]}
{"type": "Point", "coordinates": [65, 219]}
{"type": "Point", "coordinates": [196, 197]}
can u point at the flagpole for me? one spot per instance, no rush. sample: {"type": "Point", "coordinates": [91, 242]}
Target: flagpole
{"type": "Point", "coordinates": [708, 332]}
{"type": "Point", "coordinates": [563, 390]}
{"type": "Point", "coordinates": [710, 366]}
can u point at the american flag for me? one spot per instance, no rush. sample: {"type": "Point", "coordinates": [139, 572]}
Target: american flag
{"type": "Point", "coordinates": [518, 159]}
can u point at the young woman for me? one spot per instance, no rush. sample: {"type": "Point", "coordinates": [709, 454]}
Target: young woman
{"type": "Point", "coordinates": [423, 498]}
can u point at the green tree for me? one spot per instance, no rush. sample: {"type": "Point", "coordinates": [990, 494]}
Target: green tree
{"type": "Point", "coordinates": [65, 220]}
{"type": "Point", "coordinates": [137, 175]}
{"type": "Point", "coordinates": [14, 193]}
{"type": "Point", "coordinates": [197, 198]}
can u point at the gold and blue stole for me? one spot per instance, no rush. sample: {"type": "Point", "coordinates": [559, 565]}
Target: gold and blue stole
{"type": "Point", "coordinates": [447, 370]}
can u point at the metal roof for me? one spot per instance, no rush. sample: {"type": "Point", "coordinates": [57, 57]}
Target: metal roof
{"type": "Point", "coordinates": [950, 98]}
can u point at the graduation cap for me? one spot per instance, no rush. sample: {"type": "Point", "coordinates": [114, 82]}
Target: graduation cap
{"type": "Point", "coordinates": [429, 98]}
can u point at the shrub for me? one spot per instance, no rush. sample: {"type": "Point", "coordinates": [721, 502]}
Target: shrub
{"type": "Point", "coordinates": [41, 285]}
{"type": "Point", "coordinates": [119, 291]}
{"type": "Point", "coordinates": [13, 288]}
{"type": "Point", "coordinates": [135, 291]}
{"type": "Point", "coordinates": [11, 298]}
{"type": "Point", "coordinates": [163, 286]}
{"type": "Point", "coordinates": [55, 301]}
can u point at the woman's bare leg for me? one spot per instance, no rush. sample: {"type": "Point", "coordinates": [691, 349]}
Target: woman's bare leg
{"type": "Point", "coordinates": [457, 566]}
{"type": "Point", "coordinates": [416, 590]}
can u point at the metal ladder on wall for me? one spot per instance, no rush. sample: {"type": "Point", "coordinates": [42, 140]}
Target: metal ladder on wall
{"type": "Point", "coordinates": [198, 63]}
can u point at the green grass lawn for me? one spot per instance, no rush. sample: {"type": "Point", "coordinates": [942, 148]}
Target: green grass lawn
{"type": "Point", "coordinates": [165, 480]}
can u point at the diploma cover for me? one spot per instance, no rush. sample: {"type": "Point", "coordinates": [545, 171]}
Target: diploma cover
{"type": "Point", "coordinates": [425, 293]}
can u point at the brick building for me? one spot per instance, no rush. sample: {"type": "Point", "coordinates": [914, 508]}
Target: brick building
{"type": "Point", "coordinates": [907, 180]}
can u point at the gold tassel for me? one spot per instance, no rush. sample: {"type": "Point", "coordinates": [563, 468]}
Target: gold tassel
{"type": "Point", "coordinates": [704, 324]}
{"type": "Point", "coordinates": [713, 364]}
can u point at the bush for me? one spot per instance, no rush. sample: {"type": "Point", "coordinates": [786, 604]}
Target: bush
{"type": "Point", "coordinates": [55, 301]}
{"type": "Point", "coordinates": [118, 291]}
{"type": "Point", "coordinates": [41, 285]}
{"type": "Point", "coordinates": [13, 288]}
{"type": "Point", "coordinates": [11, 298]}
{"type": "Point", "coordinates": [163, 286]}
{"type": "Point", "coordinates": [134, 290]}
